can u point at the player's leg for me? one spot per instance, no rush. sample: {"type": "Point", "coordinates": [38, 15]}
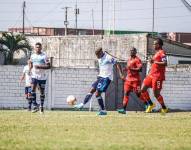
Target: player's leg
{"type": "Point", "coordinates": [147, 82]}
{"type": "Point", "coordinates": [127, 90]}
{"type": "Point", "coordinates": [27, 96]}
{"type": "Point", "coordinates": [88, 96]}
{"type": "Point", "coordinates": [99, 98]}
{"type": "Point", "coordinates": [86, 99]}
{"type": "Point", "coordinates": [157, 86]}
{"type": "Point", "coordinates": [33, 94]}
{"type": "Point", "coordinates": [102, 87]}
{"type": "Point", "coordinates": [42, 84]}
{"type": "Point", "coordinates": [143, 97]}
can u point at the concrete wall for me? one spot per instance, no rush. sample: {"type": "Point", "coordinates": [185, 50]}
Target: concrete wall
{"type": "Point", "coordinates": [71, 81]}
{"type": "Point", "coordinates": [61, 83]}
{"type": "Point", "coordinates": [77, 81]}
{"type": "Point", "coordinates": [72, 51]}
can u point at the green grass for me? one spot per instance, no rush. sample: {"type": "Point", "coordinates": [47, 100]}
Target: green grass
{"type": "Point", "coordinates": [86, 131]}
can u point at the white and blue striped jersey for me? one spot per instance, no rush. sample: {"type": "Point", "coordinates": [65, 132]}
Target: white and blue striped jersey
{"type": "Point", "coordinates": [39, 59]}
{"type": "Point", "coordinates": [106, 66]}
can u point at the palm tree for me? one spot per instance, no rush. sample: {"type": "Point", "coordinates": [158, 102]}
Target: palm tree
{"type": "Point", "coordinates": [12, 43]}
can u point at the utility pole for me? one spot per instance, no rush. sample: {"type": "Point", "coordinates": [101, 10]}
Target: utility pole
{"type": "Point", "coordinates": [24, 5]}
{"type": "Point", "coordinates": [66, 19]}
{"type": "Point", "coordinates": [153, 24]}
{"type": "Point", "coordinates": [113, 17]}
{"type": "Point", "coordinates": [77, 11]}
{"type": "Point", "coordinates": [102, 19]}
{"type": "Point", "coordinates": [93, 22]}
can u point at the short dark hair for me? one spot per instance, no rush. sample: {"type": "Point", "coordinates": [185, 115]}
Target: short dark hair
{"type": "Point", "coordinates": [159, 41]}
{"type": "Point", "coordinates": [133, 48]}
{"type": "Point", "coordinates": [38, 43]}
{"type": "Point", "coordinates": [98, 50]}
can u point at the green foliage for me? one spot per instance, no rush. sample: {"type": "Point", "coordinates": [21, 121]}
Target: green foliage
{"type": "Point", "coordinates": [12, 43]}
{"type": "Point", "coordinates": [86, 131]}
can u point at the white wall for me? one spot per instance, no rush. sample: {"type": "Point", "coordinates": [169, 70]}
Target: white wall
{"type": "Point", "coordinates": [61, 82]}
{"type": "Point", "coordinates": [77, 81]}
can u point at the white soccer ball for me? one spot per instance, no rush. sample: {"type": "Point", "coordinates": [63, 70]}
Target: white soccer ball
{"type": "Point", "coordinates": [71, 100]}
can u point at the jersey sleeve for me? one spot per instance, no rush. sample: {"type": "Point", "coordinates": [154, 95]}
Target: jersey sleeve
{"type": "Point", "coordinates": [46, 59]}
{"type": "Point", "coordinates": [163, 57]}
{"type": "Point", "coordinates": [111, 60]}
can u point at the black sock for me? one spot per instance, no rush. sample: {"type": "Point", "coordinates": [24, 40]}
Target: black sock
{"type": "Point", "coordinates": [100, 102]}
{"type": "Point", "coordinates": [34, 98]}
{"type": "Point", "coordinates": [87, 98]}
{"type": "Point", "coordinates": [146, 103]}
{"type": "Point", "coordinates": [42, 100]}
{"type": "Point", "coordinates": [163, 107]}
{"type": "Point", "coordinates": [29, 103]}
{"type": "Point", "coordinates": [124, 107]}
{"type": "Point", "coordinates": [150, 102]}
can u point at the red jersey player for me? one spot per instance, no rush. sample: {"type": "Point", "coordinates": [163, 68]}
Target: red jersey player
{"type": "Point", "coordinates": [132, 80]}
{"type": "Point", "coordinates": [156, 75]}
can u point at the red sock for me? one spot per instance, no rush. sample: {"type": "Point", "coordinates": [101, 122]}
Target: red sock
{"type": "Point", "coordinates": [125, 101]}
{"type": "Point", "coordinates": [145, 96]}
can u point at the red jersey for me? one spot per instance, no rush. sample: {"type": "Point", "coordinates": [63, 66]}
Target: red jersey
{"type": "Point", "coordinates": [131, 74]}
{"type": "Point", "coordinates": [158, 71]}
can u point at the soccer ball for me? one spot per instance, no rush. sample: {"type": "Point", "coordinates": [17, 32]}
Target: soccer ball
{"type": "Point", "coordinates": [71, 100]}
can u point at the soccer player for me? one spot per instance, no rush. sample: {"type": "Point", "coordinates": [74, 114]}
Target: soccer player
{"type": "Point", "coordinates": [132, 80]}
{"type": "Point", "coordinates": [27, 76]}
{"type": "Point", "coordinates": [156, 75]}
{"type": "Point", "coordinates": [106, 63]}
{"type": "Point", "coordinates": [40, 64]}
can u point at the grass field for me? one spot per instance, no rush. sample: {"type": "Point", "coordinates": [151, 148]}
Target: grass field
{"type": "Point", "coordinates": [85, 131]}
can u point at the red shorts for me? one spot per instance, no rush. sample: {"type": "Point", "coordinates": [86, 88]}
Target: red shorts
{"type": "Point", "coordinates": [155, 84]}
{"type": "Point", "coordinates": [132, 86]}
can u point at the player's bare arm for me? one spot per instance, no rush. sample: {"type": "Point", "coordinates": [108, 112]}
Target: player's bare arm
{"type": "Point", "coordinates": [163, 63]}
{"type": "Point", "coordinates": [22, 77]}
{"type": "Point", "coordinates": [120, 71]}
{"type": "Point", "coordinates": [44, 66]}
{"type": "Point", "coordinates": [135, 69]}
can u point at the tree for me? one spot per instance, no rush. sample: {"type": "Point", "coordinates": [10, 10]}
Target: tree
{"type": "Point", "coordinates": [12, 43]}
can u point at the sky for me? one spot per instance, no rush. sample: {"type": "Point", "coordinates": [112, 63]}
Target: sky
{"type": "Point", "coordinates": [132, 15]}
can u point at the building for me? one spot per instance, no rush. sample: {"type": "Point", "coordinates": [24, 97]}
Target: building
{"type": "Point", "coordinates": [180, 37]}
{"type": "Point", "coordinates": [48, 31]}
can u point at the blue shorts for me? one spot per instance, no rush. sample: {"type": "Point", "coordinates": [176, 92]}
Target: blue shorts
{"type": "Point", "coordinates": [101, 84]}
{"type": "Point", "coordinates": [28, 90]}
{"type": "Point", "coordinates": [40, 83]}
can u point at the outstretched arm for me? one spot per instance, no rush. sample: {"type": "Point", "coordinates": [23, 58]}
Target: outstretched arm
{"type": "Point", "coordinates": [45, 66]}
{"type": "Point", "coordinates": [120, 71]}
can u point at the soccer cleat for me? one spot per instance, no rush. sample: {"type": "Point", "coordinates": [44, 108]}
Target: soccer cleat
{"type": "Point", "coordinates": [41, 110]}
{"type": "Point", "coordinates": [164, 111]}
{"type": "Point", "coordinates": [79, 106]}
{"type": "Point", "coordinates": [121, 111]}
{"type": "Point", "coordinates": [150, 108]}
{"type": "Point", "coordinates": [102, 113]}
{"type": "Point", "coordinates": [35, 109]}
